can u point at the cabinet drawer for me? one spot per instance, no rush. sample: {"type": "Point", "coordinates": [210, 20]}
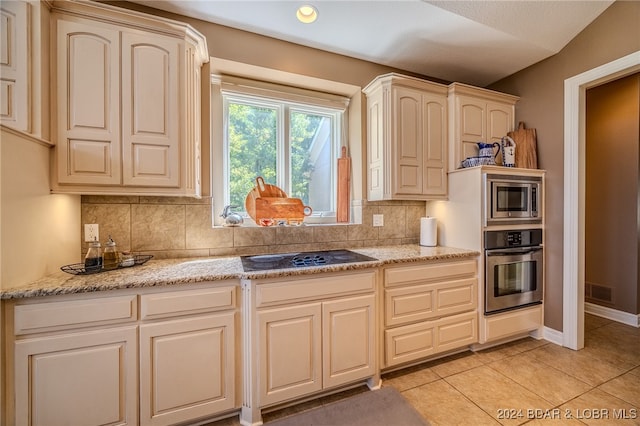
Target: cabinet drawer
{"type": "Point", "coordinates": [512, 323]}
{"type": "Point", "coordinates": [417, 341]}
{"type": "Point", "coordinates": [271, 293]}
{"type": "Point", "coordinates": [185, 302]}
{"type": "Point", "coordinates": [34, 318]}
{"type": "Point", "coordinates": [429, 272]}
{"type": "Point", "coordinates": [457, 331]}
{"type": "Point", "coordinates": [409, 343]}
{"type": "Point", "coordinates": [404, 305]}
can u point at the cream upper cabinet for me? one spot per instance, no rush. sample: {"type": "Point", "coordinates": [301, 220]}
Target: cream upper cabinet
{"type": "Point", "coordinates": [127, 102]}
{"type": "Point", "coordinates": [477, 115]}
{"type": "Point", "coordinates": [406, 139]}
{"type": "Point", "coordinates": [14, 65]}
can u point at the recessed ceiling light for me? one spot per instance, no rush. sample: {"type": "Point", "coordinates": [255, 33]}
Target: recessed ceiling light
{"type": "Point", "coordinates": [307, 14]}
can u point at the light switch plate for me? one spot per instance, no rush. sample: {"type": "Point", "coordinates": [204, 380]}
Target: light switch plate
{"type": "Point", "coordinates": [378, 220]}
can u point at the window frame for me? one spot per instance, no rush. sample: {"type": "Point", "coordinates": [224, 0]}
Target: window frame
{"type": "Point", "coordinates": [225, 73]}
{"type": "Point", "coordinates": [284, 104]}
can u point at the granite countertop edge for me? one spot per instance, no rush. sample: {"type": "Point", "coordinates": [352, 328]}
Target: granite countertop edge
{"type": "Point", "coordinates": [173, 272]}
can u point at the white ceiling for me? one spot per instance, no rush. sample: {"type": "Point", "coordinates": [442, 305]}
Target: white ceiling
{"type": "Point", "coordinates": [476, 42]}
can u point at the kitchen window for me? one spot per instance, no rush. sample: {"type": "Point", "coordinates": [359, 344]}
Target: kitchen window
{"type": "Point", "coordinates": [289, 137]}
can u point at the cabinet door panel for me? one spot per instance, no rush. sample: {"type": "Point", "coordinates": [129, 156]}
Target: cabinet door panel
{"type": "Point", "coordinates": [178, 385]}
{"type": "Point", "coordinates": [472, 126]}
{"type": "Point", "coordinates": [435, 145]}
{"type": "Point", "coordinates": [408, 141]}
{"type": "Point", "coordinates": [151, 110]}
{"type": "Point", "coordinates": [289, 352]}
{"type": "Point", "coordinates": [88, 121]}
{"type": "Point", "coordinates": [349, 340]}
{"type": "Point", "coordinates": [500, 121]}
{"type": "Point", "coordinates": [77, 379]}
{"type": "Point", "coordinates": [14, 86]}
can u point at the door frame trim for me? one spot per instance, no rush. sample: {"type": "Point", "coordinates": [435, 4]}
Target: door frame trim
{"type": "Point", "coordinates": [574, 190]}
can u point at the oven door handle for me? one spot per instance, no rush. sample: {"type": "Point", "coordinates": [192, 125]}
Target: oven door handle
{"type": "Point", "coordinates": [511, 252]}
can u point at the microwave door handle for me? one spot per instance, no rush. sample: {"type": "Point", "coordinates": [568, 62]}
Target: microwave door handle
{"type": "Point", "coordinates": [513, 251]}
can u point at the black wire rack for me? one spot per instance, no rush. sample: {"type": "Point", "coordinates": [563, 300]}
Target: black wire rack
{"type": "Point", "coordinates": [81, 269]}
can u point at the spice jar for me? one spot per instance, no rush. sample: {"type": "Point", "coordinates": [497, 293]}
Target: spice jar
{"type": "Point", "coordinates": [110, 257]}
{"type": "Point", "coordinates": [93, 259]}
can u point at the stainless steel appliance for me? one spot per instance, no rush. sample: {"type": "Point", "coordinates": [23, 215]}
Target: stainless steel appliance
{"type": "Point", "coordinates": [513, 269]}
{"type": "Point", "coordinates": [301, 260]}
{"type": "Point", "coordinates": [512, 199]}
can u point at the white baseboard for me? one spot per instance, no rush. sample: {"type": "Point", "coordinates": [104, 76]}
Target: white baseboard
{"type": "Point", "coordinates": [612, 314]}
{"type": "Point", "coordinates": [553, 336]}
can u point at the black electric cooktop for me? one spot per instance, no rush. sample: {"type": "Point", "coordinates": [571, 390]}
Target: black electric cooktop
{"type": "Point", "coordinates": [301, 260]}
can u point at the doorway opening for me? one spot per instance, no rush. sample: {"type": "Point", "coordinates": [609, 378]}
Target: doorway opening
{"type": "Point", "coordinates": [574, 191]}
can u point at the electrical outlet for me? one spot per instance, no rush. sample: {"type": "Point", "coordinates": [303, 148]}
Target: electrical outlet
{"type": "Point", "coordinates": [91, 232]}
{"type": "Point", "coordinates": [378, 220]}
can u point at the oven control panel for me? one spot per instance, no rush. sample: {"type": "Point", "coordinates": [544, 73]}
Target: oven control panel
{"type": "Point", "coordinates": [512, 238]}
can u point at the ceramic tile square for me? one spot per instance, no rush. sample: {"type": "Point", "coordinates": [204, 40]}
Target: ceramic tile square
{"type": "Point", "coordinates": [157, 227]}
{"type": "Point", "coordinates": [110, 199]}
{"type": "Point", "coordinates": [625, 387]}
{"type": "Point", "coordinates": [551, 384]}
{"type": "Point", "coordinates": [455, 364]}
{"type": "Point", "coordinates": [254, 236]}
{"type": "Point", "coordinates": [601, 404]}
{"type": "Point", "coordinates": [330, 233]}
{"type": "Point", "coordinates": [494, 393]}
{"type": "Point", "coordinates": [414, 213]}
{"type": "Point", "coordinates": [441, 404]}
{"type": "Point", "coordinates": [362, 232]}
{"type": "Point", "coordinates": [199, 231]}
{"type": "Point", "coordinates": [294, 234]}
{"type": "Point", "coordinates": [394, 222]}
{"type": "Point", "coordinates": [591, 322]}
{"type": "Point", "coordinates": [409, 378]}
{"type": "Point", "coordinates": [112, 219]}
{"type": "Point", "coordinates": [579, 364]}
{"type": "Point", "coordinates": [509, 349]}
{"type": "Point", "coordinates": [174, 200]}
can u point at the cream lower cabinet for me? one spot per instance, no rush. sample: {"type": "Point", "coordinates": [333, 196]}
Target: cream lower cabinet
{"type": "Point", "coordinates": [77, 379]}
{"type": "Point", "coordinates": [406, 139]}
{"type": "Point", "coordinates": [429, 308]}
{"type": "Point", "coordinates": [310, 335]}
{"type": "Point", "coordinates": [126, 102]}
{"type": "Point", "coordinates": [150, 358]}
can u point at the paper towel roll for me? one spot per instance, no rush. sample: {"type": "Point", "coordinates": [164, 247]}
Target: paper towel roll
{"type": "Point", "coordinates": [428, 231]}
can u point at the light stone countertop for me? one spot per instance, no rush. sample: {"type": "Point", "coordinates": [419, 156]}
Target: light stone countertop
{"type": "Point", "coordinates": [169, 272]}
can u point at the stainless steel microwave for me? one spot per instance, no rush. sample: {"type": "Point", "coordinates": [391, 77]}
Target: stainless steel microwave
{"type": "Point", "coordinates": [512, 199]}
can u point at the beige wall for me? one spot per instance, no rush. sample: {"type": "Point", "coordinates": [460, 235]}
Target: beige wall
{"type": "Point", "coordinates": [40, 231]}
{"type": "Point", "coordinates": [614, 34]}
{"type": "Point", "coordinates": [611, 199]}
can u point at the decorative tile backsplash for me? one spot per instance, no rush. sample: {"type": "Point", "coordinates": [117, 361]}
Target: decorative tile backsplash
{"type": "Point", "coordinates": [181, 227]}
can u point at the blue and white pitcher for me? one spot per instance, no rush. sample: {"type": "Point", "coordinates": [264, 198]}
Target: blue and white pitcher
{"type": "Point", "coordinates": [485, 150]}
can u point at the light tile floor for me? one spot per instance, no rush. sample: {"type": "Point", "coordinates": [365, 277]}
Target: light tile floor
{"type": "Point", "coordinates": [529, 381]}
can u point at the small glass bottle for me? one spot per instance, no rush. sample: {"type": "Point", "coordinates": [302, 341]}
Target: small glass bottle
{"type": "Point", "coordinates": [110, 256]}
{"type": "Point", "coordinates": [93, 259]}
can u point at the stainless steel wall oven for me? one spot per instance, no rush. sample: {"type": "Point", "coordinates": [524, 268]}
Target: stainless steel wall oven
{"type": "Point", "coordinates": [513, 269]}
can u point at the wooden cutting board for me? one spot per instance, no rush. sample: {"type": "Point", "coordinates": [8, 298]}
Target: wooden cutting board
{"type": "Point", "coordinates": [278, 208]}
{"type": "Point", "coordinates": [344, 187]}
{"type": "Point", "coordinates": [526, 147]}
